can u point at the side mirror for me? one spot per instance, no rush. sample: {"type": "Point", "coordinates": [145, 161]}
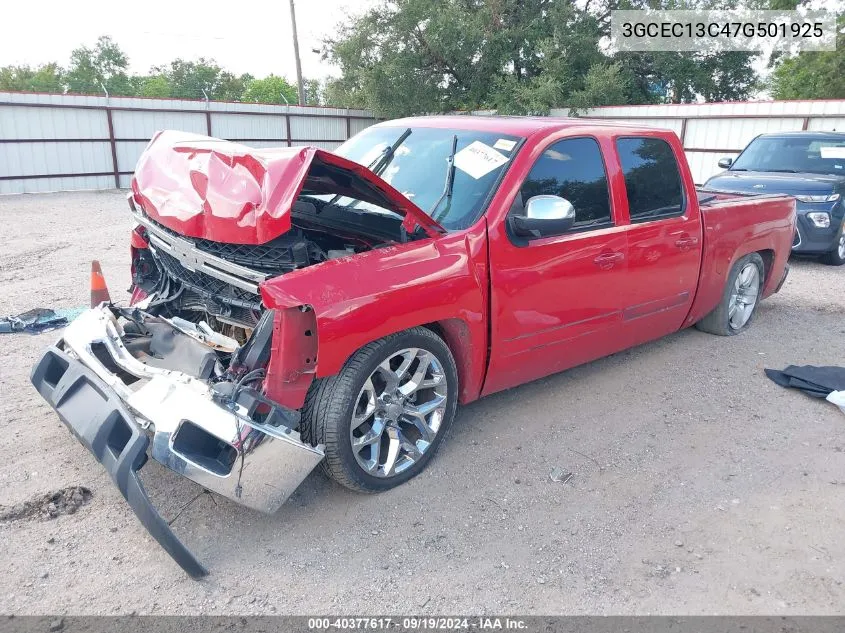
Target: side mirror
{"type": "Point", "coordinates": [724, 163]}
{"type": "Point", "coordinates": [544, 216]}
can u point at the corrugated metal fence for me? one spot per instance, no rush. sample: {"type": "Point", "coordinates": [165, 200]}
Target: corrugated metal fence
{"type": "Point", "coordinates": [711, 131]}
{"type": "Point", "coordinates": [68, 142]}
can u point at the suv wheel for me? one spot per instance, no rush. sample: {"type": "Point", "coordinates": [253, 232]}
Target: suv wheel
{"type": "Point", "coordinates": [836, 257]}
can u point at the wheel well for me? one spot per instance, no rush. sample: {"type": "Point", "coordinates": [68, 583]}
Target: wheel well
{"type": "Point", "coordinates": [455, 333]}
{"type": "Point", "coordinates": [470, 361]}
{"type": "Point", "coordinates": [437, 329]}
{"type": "Point", "coordinates": [768, 256]}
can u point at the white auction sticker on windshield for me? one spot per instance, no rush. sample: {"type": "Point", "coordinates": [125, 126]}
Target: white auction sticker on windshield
{"type": "Point", "coordinates": [835, 151]}
{"type": "Point", "coordinates": [478, 159]}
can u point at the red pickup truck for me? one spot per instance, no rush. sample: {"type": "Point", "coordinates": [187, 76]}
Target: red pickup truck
{"type": "Point", "coordinates": [294, 307]}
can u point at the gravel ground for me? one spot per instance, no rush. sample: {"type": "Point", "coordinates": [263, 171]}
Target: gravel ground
{"type": "Point", "coordinates": [699, 486]}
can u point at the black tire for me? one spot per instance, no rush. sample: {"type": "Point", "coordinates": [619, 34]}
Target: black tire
{"type": "Point", "coordinates": [718, 321]}
{"type": "Point", "coordinates": [329, 405]}
{"type": "Point", "coordinates": [833, 257]}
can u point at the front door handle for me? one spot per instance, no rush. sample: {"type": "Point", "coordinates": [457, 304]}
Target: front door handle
{"type": "Point", "coordinates": [607, 260]}
{"type": "Point", "coordinates": [686, 242]}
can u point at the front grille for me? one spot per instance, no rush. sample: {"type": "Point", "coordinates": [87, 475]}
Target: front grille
{"type": "Point", "coordinates": [284, 254]}
{"type": "Point", "coordinates": [207, 285]}
{"type": "Point", "coordinates": [205, 292]}
{"type": "Point", "coordinates": [265, 258]}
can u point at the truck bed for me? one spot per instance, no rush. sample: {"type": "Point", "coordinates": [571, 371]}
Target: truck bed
{"type": "Point", "coordinates": [735, 224]}
{"type": "Point", "coordinates": [712, 197]}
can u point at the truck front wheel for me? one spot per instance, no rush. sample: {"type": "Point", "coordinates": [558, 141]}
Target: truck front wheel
{"type": "Point", "coordinates": [383, 416]}
{"type": "Point", "coordinates": [739, 300]}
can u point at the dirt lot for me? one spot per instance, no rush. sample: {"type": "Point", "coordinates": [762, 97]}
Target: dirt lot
{"type": "Point", "coordinates": [699, 486]}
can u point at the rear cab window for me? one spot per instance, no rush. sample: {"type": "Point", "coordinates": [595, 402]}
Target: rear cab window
{"type": "Point", "coordinates": [652, 178]}
{"type": "Point", "coordinates": [572, 168]}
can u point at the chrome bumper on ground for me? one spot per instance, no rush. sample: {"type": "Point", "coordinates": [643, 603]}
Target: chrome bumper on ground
{"type": "Point", "coordinates": [114, 415]}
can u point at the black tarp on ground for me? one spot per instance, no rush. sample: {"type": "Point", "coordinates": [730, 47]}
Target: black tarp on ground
{"type": "Point", "coordinates": [817, 382]}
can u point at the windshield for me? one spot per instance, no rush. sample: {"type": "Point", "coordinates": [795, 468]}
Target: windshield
{"type": "Point", "coordinates": [794, 154]}
{"type": "Point", "coordinates": [418, 167]}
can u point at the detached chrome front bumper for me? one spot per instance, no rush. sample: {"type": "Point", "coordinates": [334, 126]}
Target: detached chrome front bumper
{"type": "Point", "coordinates": [114, 404]}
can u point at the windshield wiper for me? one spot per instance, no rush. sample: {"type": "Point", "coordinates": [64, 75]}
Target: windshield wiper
{"type": "Point", "coordinates": [450, 182]}
{"type": "Point", "coordinates": [783, 171]}
{"type": "Point", "coordinates": [381, 161]}
{"type": "Point", "coordinates": [378, 165]}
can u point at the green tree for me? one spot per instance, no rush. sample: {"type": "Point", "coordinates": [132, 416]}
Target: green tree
{"type": "Point", "coordinates": [202, 79]}
{"type": "Point", "coordinates": [105, 65]}
{"type": "Point", "coordinates": [518, 56]}
{"type": "Point", "coordinates": [342, 92]}
{"type": "Point", "coordinates": [271, 89]}
{"type": "Point", "coordinates": [812, 74]}
{"type": "Point", "coordinates": [605, 84]}
{"type": "Point", "coordinates": [672, 77]}
{"type": "Point", "coordinates": [232, 86]}
{"type": "Point", "coordinates": [44, 78]}
{"type": "Point", "coordinates": [152, 86]}
{"type": "Point", "coordinates": [665, 77]}
{"type": "Point", "coordinates": [48, 78]}
{"type": "Point", "coordinates": [314, 92]}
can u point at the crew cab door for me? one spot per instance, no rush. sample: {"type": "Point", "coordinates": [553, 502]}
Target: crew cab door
{"type": "Point", "coordinates": [664, 235]}
{"type": "Point", "coordinates": [557, 300]}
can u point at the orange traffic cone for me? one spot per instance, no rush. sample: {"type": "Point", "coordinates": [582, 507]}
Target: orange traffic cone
{"type": "Point", "coordinates": [99, 291]}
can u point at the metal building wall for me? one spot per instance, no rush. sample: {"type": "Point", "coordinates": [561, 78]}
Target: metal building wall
{"type": "Point", "coordinates": [711, 131]}
{"type": "Point", "coordinates": [67, 142]}
{"type": "Point", "coordinates": [71, 142]}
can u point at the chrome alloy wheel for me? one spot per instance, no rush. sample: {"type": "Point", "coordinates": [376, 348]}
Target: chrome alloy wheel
{"type": "Point", "coordinates": [840, 246]}
{"type": "Point", "coordinates": [744, 296]}
{"type": "Point", "coordinates": [398, 412]}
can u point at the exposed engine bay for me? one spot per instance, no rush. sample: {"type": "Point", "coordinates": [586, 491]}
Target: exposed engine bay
{"type": "Point", "coordinates": [216, 219]}
{"type": "Point", "coordinates": [203, 281]}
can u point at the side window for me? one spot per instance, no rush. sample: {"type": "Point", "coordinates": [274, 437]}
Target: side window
{"type": "Point", "coordinates": [652, 179]}
{"type": "Point", "coordinates": [573, 169]}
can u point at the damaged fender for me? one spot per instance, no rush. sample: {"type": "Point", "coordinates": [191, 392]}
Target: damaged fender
{"type": "Point", "coordinates": [357, 299]}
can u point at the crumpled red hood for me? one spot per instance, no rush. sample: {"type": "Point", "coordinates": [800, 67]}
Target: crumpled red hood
{"type": "Point", "coordinates": [219, 190]}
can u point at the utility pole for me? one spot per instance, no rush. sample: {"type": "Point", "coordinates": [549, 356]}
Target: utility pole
{"type": "Point", "coordinates": [300, 86]}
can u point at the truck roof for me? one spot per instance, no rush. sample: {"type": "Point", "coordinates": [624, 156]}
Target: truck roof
{"type": "Point", "coordinates": [513, 125]}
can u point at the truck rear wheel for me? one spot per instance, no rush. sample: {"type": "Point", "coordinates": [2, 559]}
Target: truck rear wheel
{"type": "Point", "coordinates": [740, 298]}
{"type": "Point", "coordinates": [384, 415]}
